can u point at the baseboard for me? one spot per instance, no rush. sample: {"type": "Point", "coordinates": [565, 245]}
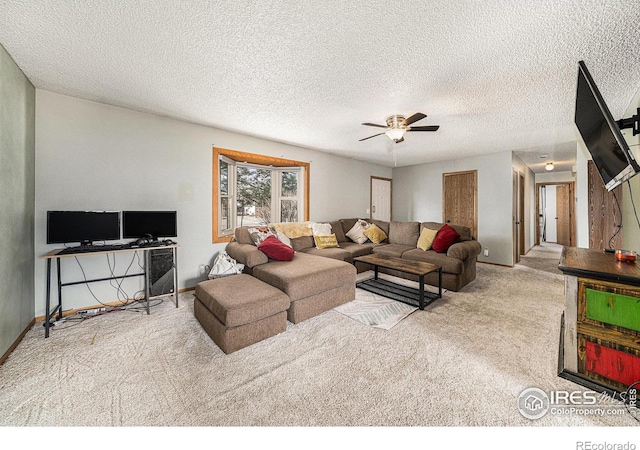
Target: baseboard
{"type": "Point", "coordinates": [17, 341]}
{"type": "Point", "coordinates": [494, 264]}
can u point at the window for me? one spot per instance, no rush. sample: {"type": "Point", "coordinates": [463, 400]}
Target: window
{"type": "Point", "coordinates": [250, 189]}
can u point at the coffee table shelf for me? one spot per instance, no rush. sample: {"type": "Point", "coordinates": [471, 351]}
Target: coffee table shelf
{"type": "Point", "coordinates": [396, 291]}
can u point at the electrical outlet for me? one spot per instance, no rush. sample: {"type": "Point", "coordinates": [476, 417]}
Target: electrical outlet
{"type": "Point", "coordinates": [486, 252]}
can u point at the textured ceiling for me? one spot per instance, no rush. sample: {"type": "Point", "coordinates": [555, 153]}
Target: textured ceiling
{"type": "Point", "coordinates": [495, 75]}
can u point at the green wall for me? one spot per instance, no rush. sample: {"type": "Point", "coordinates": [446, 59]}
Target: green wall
{"type": "Point", "coordinates": [17, 200]}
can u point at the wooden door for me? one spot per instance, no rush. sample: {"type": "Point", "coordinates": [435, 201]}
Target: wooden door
{"type": "Point", "coordinates": [564, 197]}
{"type": "Point", "coordinates": [605, 212]}
{"type": "Point", "coordinates": [460, 199]}
{"type": "Point", "coordinates": [380, 193]}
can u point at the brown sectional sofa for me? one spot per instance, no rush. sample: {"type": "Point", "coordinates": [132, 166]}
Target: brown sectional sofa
{"type": "Point", "coordinates": [241, 310]}
{"type": "Point", "coordinates": [458, 263]}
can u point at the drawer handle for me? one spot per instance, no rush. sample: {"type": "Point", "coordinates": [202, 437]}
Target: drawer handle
{"type": "Point", "coordinates": [610, 302]}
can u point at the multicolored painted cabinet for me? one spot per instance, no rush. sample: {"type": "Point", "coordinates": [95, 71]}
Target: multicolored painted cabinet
{"type": "Point", "coordinates": [601, 323]}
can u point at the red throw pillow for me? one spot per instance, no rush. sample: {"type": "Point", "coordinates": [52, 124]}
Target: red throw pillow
{"type": "Point", "coordinates": [445, 238]}
{"type": "Point", "coordinates": [275, 249]}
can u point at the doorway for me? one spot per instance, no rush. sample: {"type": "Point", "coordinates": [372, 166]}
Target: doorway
{"type": "Point", "coordinates": [518, 216]}
{"type": "Point", "coordinates": [460, 199]}
{"type": "Point", "coordinates": [380, 195]}
{"type": "Point", "coordinates": [555, 216]}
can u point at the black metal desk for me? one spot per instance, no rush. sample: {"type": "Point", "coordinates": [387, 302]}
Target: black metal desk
{"type": "Point", "coordinates": [57, 255]}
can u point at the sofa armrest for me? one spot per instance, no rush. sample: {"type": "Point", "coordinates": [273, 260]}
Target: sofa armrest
{"type": "Point", "coordinates": [464, 250]}
{"type": "Point", "coordinates": [247, 254]}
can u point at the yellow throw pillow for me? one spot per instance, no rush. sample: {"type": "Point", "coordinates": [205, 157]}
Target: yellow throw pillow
{"type": "Point", "coordinates": [426, 238]}
{"type": "Point", "coordinates": [375, 234]}
{"type": "Point", "coordinates": [326, 241]}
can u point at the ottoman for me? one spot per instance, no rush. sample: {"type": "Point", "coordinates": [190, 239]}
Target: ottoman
{"type": "Point", "coordinates": [240, 310]}
{"type": "Point", "coordinates": [314, 284]}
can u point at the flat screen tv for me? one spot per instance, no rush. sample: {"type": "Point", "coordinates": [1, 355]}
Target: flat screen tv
{"type": "Point", "coordinates": [149, 224]}
{"type": "Point", "coordinates": [601, 134]}
{"type": "Point", "coordinates": [85, 227]}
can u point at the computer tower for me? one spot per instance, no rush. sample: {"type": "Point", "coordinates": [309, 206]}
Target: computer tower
{"type": "Point", "coordinates": [161, 272]}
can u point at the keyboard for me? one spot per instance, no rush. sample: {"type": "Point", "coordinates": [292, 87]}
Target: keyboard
{"type": "Point", "coordinates": [91, 248]}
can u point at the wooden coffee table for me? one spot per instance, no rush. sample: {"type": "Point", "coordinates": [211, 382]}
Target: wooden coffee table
{"type": "Point", "coordinates": [406, 294]}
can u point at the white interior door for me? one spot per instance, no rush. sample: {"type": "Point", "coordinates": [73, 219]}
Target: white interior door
{"type": "Point", "coordinates": [381, 199]}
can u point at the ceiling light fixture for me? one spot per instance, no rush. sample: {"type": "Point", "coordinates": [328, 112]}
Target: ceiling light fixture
{"type": "Point", "coordinates": [549, 166]}
{"type": "Point", "coordinates": [395, 134]}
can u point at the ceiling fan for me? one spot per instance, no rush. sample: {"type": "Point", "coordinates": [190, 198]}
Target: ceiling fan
{"type": "Point", "coordinates": [397, 126]}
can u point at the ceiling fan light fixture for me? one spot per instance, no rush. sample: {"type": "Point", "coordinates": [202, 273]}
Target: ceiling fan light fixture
{"type": "Point", "coordinates": [549, 166]}
{"type": "Point", "coordinates": [395, 134]}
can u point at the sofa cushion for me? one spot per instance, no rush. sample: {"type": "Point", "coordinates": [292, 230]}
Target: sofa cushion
{"type": "Point", "coordinates": [449, 264]}
{"type": "Point", "coordinates": [247, 254]}
{"type": "Point", "coordinates": [404, 233]}
{"type": "Point", "coordinates": [446, 237]}
{"type": "Point", "coordinates": [358, 249]}
{"type": "Point", "coordinates": [306, 275]}
{"type": "Point", "coordinates": [329, 241]}
{"type": "Point", "coordinates": [465, 250]}
{"type": "Point", "coordinates": [393, 250]}
{"type": "Point", "coordinates": [274, 249]}
{"type": "Point", "coordinates": [333, 252]}
{"type": "Point", "coordinates": [336, 228]}
{"type": "Point", "coordinates": [426, 238]}
{"type": "Point", "coordinates": [302, 242]}
{"type": "Point", "coordinates": [375, 233]}
{"type": "Point", "coordinates": [221, 297]}
{"type": "Point", "coordinates": [242, 236]}
{"type": "Point", "coordinates": [465, 232]}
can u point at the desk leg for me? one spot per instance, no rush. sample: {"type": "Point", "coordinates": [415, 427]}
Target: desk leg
{"type": "Point", "coordinates": [59, 289]}
{"type": "Point", "coordinates": [147, 265]}
{"type": "Point", "coordinates": [440, 282]}
{"type": "Point", "coordinates": [47, 314]}
{"type": "Point", "coordinates": [375, 272]}
{"type": "Point", "coordinates": [421, 298]}
{"type": "Point", "coordinates": [175, 274]}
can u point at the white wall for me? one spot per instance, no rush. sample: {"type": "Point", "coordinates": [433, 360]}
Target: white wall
{"type": "Point", "coordinates": [630, 225]}
{"type": "Point", "coordinates": [555, 177]}
{"type": "Point", "coordinates": [417, 195]}
{"type": "Point", "coordinates": [91, 156]}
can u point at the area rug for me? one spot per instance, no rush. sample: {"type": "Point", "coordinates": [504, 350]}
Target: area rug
{"type": "Point", "coordinates": [376, 311]}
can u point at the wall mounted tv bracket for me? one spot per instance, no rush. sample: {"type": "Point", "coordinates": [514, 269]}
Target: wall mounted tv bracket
{"type": "Point", "coordinates": [631, 122]}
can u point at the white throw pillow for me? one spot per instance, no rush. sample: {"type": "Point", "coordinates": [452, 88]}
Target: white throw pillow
{"type": "Point", "coordinates": [356, 233]}
{"type": "Point", "coordinates": [283, 238]}
{"type": "Point", "coordinates": [321, 229]}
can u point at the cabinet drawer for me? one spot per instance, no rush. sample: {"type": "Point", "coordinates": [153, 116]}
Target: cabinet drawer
{"type": "Point", "coordinates": [608, 363]}
{"type": "Point", "coordinates": [609, 304]}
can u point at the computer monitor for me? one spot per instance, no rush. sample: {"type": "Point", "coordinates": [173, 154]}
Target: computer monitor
{"type": "Point", "coordinates": [85, 227]}
{"type": "Point", "coordinates": [149, 224]}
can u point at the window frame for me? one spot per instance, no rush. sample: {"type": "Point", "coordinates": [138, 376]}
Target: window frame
{"type": "Point", "coordinates": [218, 236]}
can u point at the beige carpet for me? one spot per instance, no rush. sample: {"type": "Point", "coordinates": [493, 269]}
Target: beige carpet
{"type": "Point", "coordinates": [461, 362]}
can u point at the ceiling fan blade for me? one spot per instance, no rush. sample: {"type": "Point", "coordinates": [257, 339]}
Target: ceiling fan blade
{"type": "Point", "coordinates": [374, 125]}
{"type": "Point", "coordinates": [426, 128]}
{"type": "Point", "coordinates": [379, 134]}
{"type": "Point", "coordinates": [414, 118]}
